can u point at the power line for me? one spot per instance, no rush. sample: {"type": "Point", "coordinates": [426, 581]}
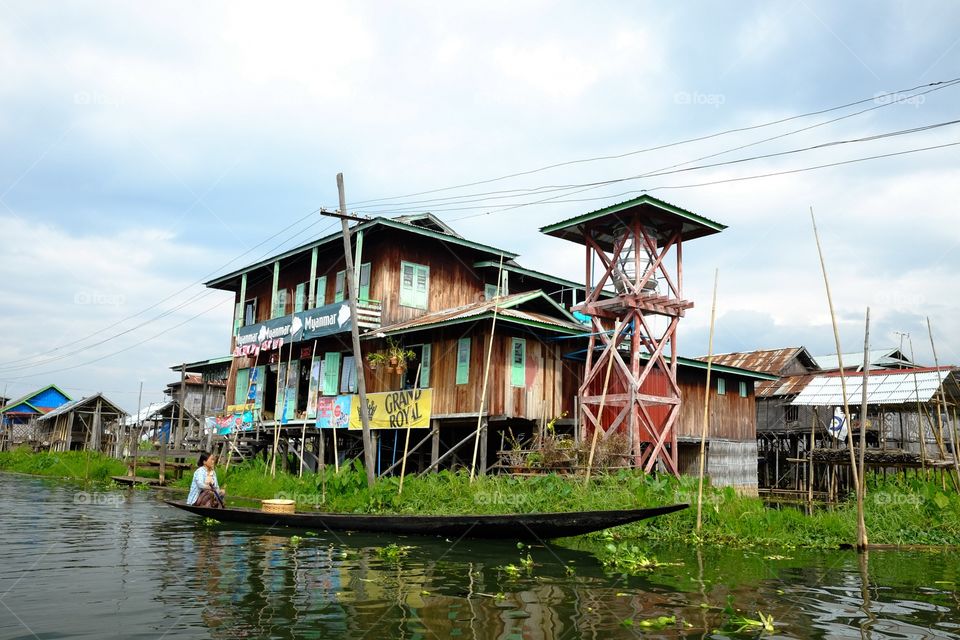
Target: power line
{"type": "Point", "coordinates": [726, 180]}
{"type": "Point", "coordinates": [658, 147]}
{"type": "Point", "coordinates": [823, 145]}
{"type": "Point", "coordinates": [496, 195]}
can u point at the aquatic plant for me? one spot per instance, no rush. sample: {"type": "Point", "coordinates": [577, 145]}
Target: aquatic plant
{"type": "Point", "coordinates": [393, 552]}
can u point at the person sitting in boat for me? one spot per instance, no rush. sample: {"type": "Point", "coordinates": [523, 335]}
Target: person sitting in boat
{"type": "Point", "coordinates": [204, 490]}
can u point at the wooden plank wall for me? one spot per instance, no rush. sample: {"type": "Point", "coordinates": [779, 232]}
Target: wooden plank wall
{"type": "Point", "coordinates": [731, 417]}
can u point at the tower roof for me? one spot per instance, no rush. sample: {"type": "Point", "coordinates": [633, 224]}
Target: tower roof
{"type": "Point", "coordinates": [609, 221]}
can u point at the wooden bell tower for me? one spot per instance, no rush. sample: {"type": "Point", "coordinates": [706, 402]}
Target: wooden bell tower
{"type": "Point", "coordinates": [634, 297]}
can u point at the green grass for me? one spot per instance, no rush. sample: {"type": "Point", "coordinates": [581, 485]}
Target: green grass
{"type": "Point", "coordinates": [898, 511]}
{"type": "Point", "coordinates": [78, 465]}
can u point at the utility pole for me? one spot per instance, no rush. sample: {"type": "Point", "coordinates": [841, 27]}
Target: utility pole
{"type": "Point", "coordinates": [369, 460]}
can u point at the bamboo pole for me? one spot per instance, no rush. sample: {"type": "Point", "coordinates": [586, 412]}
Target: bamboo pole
{"type": "Point", "coordinates": [813, 443]}
{"type": "Point", "coordinates": [921, 430]}
{"type": "Point", "coordinates": [706, 404]}
{"type": "Point", "coordinates": [603, 399]}
{"type": "Point", "coordinates": [941, 407]}
{"type": "Point", "coordinates": [303, 428]}
{"type": "Point", "coordinates": [486, 374]}
{"type": "Point", "coordinates": [406, 443]}
{"type": "Point", "coordinates": [278, 415]}
{"type": "Point", "coordinates": [843, 377]}
{"type": "Point", "coordinates": [862, 487]}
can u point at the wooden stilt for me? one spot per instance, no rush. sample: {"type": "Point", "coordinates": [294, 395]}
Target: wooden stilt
{"type": "Point", "coordinates": [705, 425]}
{"type": "Point", "coordinates": [486, 376]}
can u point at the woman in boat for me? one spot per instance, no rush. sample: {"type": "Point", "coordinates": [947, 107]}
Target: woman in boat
{"type": "Point", "coordinates": [204, 490]}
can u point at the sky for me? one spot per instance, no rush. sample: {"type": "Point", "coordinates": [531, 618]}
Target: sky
{"type": "Point", "coordinates": [148, 147]}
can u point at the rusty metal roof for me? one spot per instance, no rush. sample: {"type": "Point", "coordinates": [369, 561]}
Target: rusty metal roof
{"type": "Point", "coordinates": [767, 360]}
{"type": "Point", "coordinates": [507, 310]}
{"type": "Point", "coordinates": [785, 386]}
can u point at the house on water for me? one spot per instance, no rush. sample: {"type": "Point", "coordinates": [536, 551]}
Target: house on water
{"type": "Point", "coordinates": [18, 419]}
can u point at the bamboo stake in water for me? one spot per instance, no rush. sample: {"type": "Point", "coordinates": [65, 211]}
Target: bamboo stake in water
{"type": "Point", "coordinates": [486, 375]}
{"type": "Point", "coordinates": [921, 429]}
{"type": "Point", "coordinates": [303, 428]}
{"type": "Point", "coordinates": [603, 399]}
{"type": "Point", "coordinates": [706, 404]}
{"type": "Point", "coordinates": [843, 378]}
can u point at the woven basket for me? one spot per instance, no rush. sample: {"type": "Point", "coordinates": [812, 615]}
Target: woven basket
{"type": "Point", "coordinates": [278, 506]}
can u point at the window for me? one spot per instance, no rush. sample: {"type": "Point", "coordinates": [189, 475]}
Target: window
{"type": "Point", "coordinates": [425, 357]}
{"type": "Point", "coordinates": [518, 362]}
{"type": "Point", "coordinates": [237, 317]}
{"type": "Point", "coordinates": [300, 297]}
{"type": "Point", "coordinates": [490, 291]}
{"type": "Point", "coordinates": [280, 309]}
{"type": "Point", "coordinates": [340, 286]}
{"type": "Point", "coordinates": [791, 413]}
{"type": "Point", "coordinates": [414, 285]}
{"type": "Point", "coordinates": [241, 387]}
{"type": "Point", "coordinates": [331, 373]}
{"type": "Point", "coordinates": [743, 389]}
{"type": "Point", "coordinates": [320, 293]}
{"type": "Point", "coordinates": [348, 377]}
{"type": "Point", "coordinates": [364, 284]}
{"type": "Point", "coordinates": [721, 386]}
{"type": "Point", "coordinates": [463, 361]}
{"type": "Point", "coordinates": [250, 312]}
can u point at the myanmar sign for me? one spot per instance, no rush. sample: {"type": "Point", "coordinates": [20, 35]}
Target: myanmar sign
{"type": "Point", "coordinates": [303, 325]}
{"type": "Point", "coordinates": [410, 409]}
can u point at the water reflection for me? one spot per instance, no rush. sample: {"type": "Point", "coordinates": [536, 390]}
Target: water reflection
{"type": "Point", "coordinates": [137, 568]}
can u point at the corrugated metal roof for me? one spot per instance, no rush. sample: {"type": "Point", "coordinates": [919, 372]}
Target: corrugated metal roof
{"type": "Point", "coordinates": [785, 386]}
{"type": "Point", "coordinates": [766, 360]}
{"type": "Point", "coordinates": [898, 387]}
{"type": "Point", "coordinates": [506, 308]}
{"type": "Point", "coordinates": [879, 358]}
{"type": "Point", "coordinates": [75, 404]}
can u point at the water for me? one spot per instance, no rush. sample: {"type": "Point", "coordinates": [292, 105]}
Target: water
{"type": "Point", "coordinates": [120, 563]}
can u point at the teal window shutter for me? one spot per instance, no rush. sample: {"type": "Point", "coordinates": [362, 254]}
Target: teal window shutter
{"type": "Point", "coordinates": [281, 308]}
{"type": "Point", "coordinates": [331, 373]}
{"type": "Point", "coordinates": [743, 389]}
{"type": "Point", "coordinates": [338, 292]}
{"type": "Point", "coordinates": [320, 296]}
{"type": "Point", "coordinates": [721, 386]}
{"type": "Point", "coordinates": [518, 359]}
{"type": "Point", "coordinates": [300, 297]}
{"type": "Point", "coordinates": [348, 379]}
{"type": "Point", "coordinates": [237, 317]}
{"type": "Point", "coordinates": [490, 291]}
{"type": "Point", "coordinates": [425, 367]}
{"type": "Point", "coordinates": [364, 285]}
{"type": "Point", "coordinates": [463, 361]}
{"type": "Point", "coordinates": [414, 285]}
{"type": "Point", "coordinates": [240, 390]}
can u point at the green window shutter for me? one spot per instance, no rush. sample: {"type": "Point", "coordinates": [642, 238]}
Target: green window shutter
{"type": "Point", "coordinates": [321, 292]}
{"type": "Point", "coordinates": [240, 390]}
{"type": "Point", "coordinates": [743, 389]}
{"type": "Point", "coordinates": [338, 292]}
{"type": "Point", "coordinates": [300, 297]}
{"type": "Point", "coordinates": [518, 360]}
{"type": "Point", "coordinates": [259, 384]}
{"type": "Point", "coordinates": [348, 379]}
{"type": "Point", "coordinates": [331, 373]}
{"type": "Point", "coordinates": [364, 285]}
{"type": "Point", "coordinates": [721, 386]}
{"type": "Point", "coordinates": [489, 291]}
{"type": "Point", "coordinates": [281, 308]}
{"type": "Point", "coordinates": [425, 367]}
{"type": "Point", "coordinates": [414, 285]}
{"type": "Point", "coordinates": [237, 317]}
{"type": "Point", "coordinates": [463, 361]}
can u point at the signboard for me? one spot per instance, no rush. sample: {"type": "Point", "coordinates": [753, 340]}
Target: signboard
{"type": "Point", "coordinates": [326, 320]}
{"type": "Point", "coordinates": [269, 335]}
{"type": "Point", "coordinates": [232, 421]}
{"type": "Point", "coordinates": [333, 412]}
{"type": "Point", "coordinates": [410, 409]}
{"type": "Point", "coordinates": [303, 325]}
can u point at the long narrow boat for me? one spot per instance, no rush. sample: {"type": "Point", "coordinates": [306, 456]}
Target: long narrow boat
{"type": "Point", "coordinates": [520, 526]}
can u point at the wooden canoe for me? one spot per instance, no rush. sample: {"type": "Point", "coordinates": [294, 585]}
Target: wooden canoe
{"type": "Point", "coordinates": [520, 526]}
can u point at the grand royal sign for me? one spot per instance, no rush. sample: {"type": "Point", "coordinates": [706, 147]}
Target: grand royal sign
{"type": "Point", "coordinates": [303, 325]}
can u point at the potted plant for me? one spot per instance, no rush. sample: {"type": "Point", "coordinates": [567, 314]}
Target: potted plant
{"type": "Point", "coordinates": [376, 359]}
{"type": "Point", "coordinates": [397, 357]}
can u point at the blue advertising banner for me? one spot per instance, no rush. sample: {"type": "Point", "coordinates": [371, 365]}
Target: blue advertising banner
{"type": "Point", "coordinates": [333, 412]}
